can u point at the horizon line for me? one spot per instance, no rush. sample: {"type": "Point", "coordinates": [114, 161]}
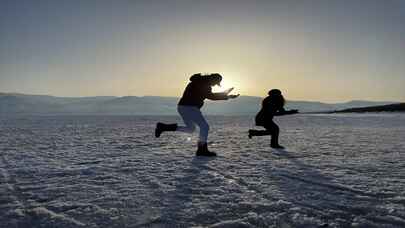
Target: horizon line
{"type": "Point", "coordinates": [299, 100]}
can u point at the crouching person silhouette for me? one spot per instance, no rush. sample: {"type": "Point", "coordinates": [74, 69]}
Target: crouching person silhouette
{"type": "Point", "coordinates": [273, 105]}
{"type": "Point", "coordinates": [189, 106]}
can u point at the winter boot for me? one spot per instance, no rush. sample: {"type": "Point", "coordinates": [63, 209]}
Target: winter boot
{"type": "Point", "coordinates": [203, 150]}
{"type": "Point", "coordinates": [274, 142]}
{"type": "Point", "coordinates": [277, 146]}
{"type": "Point", "coordinates": [161, 127]}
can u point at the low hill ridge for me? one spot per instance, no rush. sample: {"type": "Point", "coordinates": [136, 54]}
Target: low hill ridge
{"type": "Point", "coordinates": [17, 103]}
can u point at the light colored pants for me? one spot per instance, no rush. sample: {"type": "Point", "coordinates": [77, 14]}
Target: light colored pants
{"type": "Point", "coordinates": [192, 116]}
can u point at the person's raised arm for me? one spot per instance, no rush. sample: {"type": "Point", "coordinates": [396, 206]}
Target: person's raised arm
{"type": "Point", "coordinates": [222, 96]}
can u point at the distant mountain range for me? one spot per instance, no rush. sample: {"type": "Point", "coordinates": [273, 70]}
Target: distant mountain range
{"type": "Point", "coordinates": [14, 103]}
{"type": "Point", "coordinates": [400, 107]}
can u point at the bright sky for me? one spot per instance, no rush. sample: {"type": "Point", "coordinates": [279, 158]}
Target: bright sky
{"type": "Point", "coordinates": [312, 50]}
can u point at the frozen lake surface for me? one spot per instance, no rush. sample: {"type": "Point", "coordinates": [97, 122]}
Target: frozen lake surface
{"type": "Point", "coordinates": [344, 170]}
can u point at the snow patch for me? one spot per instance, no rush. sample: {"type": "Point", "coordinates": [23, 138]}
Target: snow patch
{"type": "Point", "coordinates": [337, 171]}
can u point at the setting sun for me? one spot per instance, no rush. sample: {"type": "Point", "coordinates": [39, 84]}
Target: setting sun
{"type": "Point", "coordinates": [225, 84]}
{"type": "Point", "coordinates": [229, 80]}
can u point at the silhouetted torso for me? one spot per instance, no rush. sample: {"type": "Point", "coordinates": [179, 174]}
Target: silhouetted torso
{"type": "Point", "coordinates": [197, 91]}
{"type": "Point", "coordinates": [195, 94]}
{"type": "Point", "coordinates": [267, 112]}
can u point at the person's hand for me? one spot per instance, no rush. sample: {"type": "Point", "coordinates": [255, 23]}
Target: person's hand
{"type": "Point", "coordinates": [228, 90]}
{"type": "Point", "coordinates": [233, 96]}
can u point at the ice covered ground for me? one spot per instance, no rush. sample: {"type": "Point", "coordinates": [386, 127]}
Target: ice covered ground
{"type": "Point", "coordinates": [109, 171]}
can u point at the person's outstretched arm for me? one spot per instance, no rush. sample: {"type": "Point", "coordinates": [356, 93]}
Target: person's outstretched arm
{"type": "Point", "coordinates": [217, 96]}
{"type": "Point", "coordinates": [283, 112]}
{"type": "Point", "coordinates": [221, 96]}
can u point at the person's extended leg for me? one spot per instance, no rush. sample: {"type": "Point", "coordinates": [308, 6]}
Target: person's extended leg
{"type": "Point", "coordinates": [274, 131]}
{"type": "Point", "coordinates": [186, 114]}
{"type": "Point", "coordinates": [161, 127]}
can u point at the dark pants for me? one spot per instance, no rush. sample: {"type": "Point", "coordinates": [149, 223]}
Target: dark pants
{"type": "Point", "coordinates": [271, 129]}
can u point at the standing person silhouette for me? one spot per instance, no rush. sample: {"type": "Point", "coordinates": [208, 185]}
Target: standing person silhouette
{"type": "Point", "coordinates": [189, 106]}
{"type": "Point", "coordinates": [273, 105]}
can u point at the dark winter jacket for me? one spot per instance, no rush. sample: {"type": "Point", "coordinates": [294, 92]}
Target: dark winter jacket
{"type": "Point", "coordinates": [198, 90]}
{"type": "Point", "coordinates": [268, 111]}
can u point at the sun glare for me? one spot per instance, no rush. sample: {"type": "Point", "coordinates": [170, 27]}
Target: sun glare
{"type": "Point", "coordinates": [227, 82]}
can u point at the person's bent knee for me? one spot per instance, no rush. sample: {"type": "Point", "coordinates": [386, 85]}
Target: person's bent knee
{"type": "Point", "coordinates": [186, 129]}
{"type": "Point", "coordinates": [190, 129]}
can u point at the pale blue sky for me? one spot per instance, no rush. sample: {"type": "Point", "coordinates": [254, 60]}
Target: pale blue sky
{"type": "Point", "coordinates": [312, 50]}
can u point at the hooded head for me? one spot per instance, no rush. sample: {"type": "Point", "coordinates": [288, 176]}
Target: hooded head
{"type": "Point", "coordinates": [210, 79]}
{"type": "Point", "coordinates": [276, 97]}
{"type": "Point", "coordinates": [215, 79]}
{"type": "Point", "coordinates": [274, 92]}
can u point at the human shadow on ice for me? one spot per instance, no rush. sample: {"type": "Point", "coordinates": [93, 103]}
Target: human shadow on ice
{"type": "Point", "coordinates": [191, 188]}
{"type": "Point", "coordinates": [313, 194]}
